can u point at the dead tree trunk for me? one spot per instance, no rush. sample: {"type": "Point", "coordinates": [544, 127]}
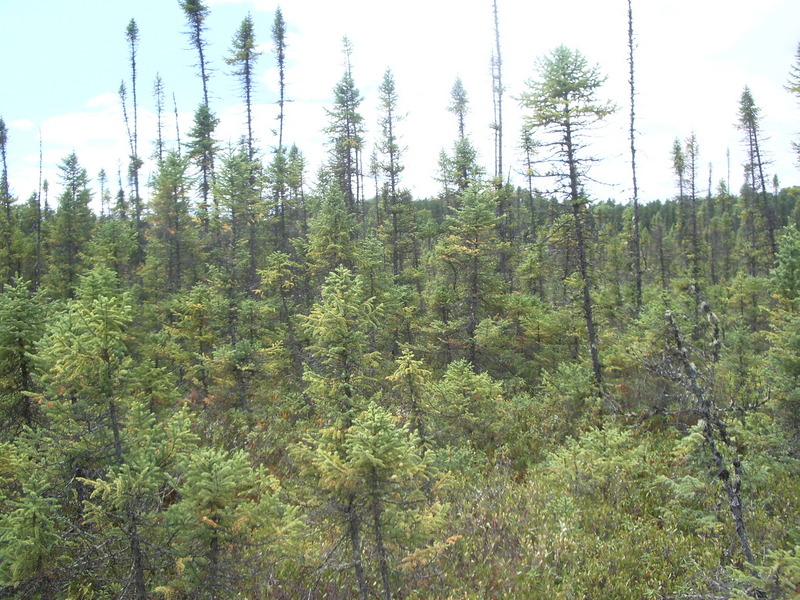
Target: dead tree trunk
{"type": "Point", "coordinates": [714, 430]}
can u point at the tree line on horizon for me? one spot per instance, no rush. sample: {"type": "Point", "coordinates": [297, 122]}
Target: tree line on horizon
{"type": "Point", "coordinates": [260, 384]}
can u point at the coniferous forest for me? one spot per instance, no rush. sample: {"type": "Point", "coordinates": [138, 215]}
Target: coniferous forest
{"type": "Point", "coordinates": [242, 379]}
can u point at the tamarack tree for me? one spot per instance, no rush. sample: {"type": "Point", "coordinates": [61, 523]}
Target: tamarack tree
{"type": "Point", "coordinates": [563, 103]}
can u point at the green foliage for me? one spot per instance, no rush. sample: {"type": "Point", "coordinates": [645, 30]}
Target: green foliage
{"type": "Point", "coordinates": [237, 194]}
{"type": "Point", "coordinates": [566, 89]}
{"type": "Point", "coordinates": [191, 335]}
{"type": "Point", "coordinates": [21, 327]}
{"type": "Point", "coordinates": [113, 246]}
{"type": "Point", "coordinates": [243, 59]}
{"type": "Point", "coordinates": [786, 274]}
{"type": "Point", "coordinates": [376, 455]}
{"type": "Point", "coordinates": [785, 358]}
{"type": "Point", "coordinates": [86, 348]}
{"type": "Point", "coordinates": [462, 402]}
{"type": "Point", "coordinates": [779, 577]}
{"type": "Point", "coordinates": [71, 230]}
{"type": "Point", "coordinates": [376, 474]}
{"type": "Point", "coordinates": [466, 260]}
{"type": "Point", "coordinates": [339, 328]}
{"type": "Point", "coordinates": [330, 242]}
{"type": "Point", "coordinates": [585, 523]}
{"type": "Point", "coordinates": [534, 425]}
{"type": "Point", "coordinates": [29, 538]}
{"type": "Point", "coordinates": [172, 241]}
{"type": "Point", "coordinates": [346, 136]}
{"type": "Point", "coordinates": [202, 148]}
{"type": "Point", "coordinates": [410, 389]}
{"type": "Point", "coordinates": [229, 514]}
{"type": "Point", "coordinates": [153, 450]}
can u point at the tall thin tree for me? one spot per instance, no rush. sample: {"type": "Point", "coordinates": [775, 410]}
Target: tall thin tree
{"type": "Point", "coordinates": [679, 169]}
{"type": "Point", "coordinates": [4, 191]}
{"type": "Point", "coordinates": [497, 97]}
{"type": "Point", "coordinates": [5, 198]}
{"type": "Point", "coordinates": [132, 36]}
{"type": "Point", "coordinates": [196, 12]}
{"type": "Point", "coordinates": [102, 180]}
{"type": "Point", "coordinates": [37, 268]}
{"type": "Point", "coordinates": [462, 166]}
{"type": "Point", "coordinates": [243, 58]}
{"type": "Point", "coordinates": [201, 147]}
{"type": "Point", "coordinates": [564, 104]}
{"type": "Point", "coordinates": [750, 125]}
{"type": "Point", "coordinates": [158, 94]}
{"type": "Point", "coordinates": [529, 148]}
{"type": "Point", "coordinates": [177, 124]}
{"type": "Point", "coordinates": [400, 222]}
{"type": "Point", "coordinates": [279, 41]}
{"type": "Point", "coordinates": [793, 86]}
{"type": "Point", "coordinates": [692, 154]}
{"type": "Point", "coordinates": [279, 169]}
{"type": "Point", "coordinates": [504, 192]}
{"type": "Point", "coordinates": [459, 105]}
{"type": "Point", "coordinates": [636, 250]}
{"type": "Point", "coordinates": [346, 132]}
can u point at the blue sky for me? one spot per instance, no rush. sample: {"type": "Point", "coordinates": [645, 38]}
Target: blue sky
{"type": "Point", "coordinates": [62, 63]}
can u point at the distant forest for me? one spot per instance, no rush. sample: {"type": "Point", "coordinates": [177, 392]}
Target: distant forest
{"type": "Point", "coordinates": [240, 379]}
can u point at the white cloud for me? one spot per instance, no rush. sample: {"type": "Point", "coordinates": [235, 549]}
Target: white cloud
{"type": "Point", "coordinates": [104, 101]}
{"type": "Point", "coordinates": [22, 124]}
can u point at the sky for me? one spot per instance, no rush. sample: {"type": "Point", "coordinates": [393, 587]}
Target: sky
{"type": "Point", "coordinates": [61, 64]}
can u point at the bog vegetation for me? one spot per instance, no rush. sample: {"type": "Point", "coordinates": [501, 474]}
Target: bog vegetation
{"type": "Point", "coordinates": [240, 379]}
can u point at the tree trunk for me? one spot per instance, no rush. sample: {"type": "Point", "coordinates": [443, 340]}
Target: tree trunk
{"type": "Point", "coordinates": [134, 543]}
{"type": "Point", "coordinates": [714, 428]}
{"type": "Point", "coordinates": [636, 250]}
{"type": "Point", "coordinates": [383, 561]}
{"type": "Point", "coordinates": [588, 313]}
{"type": "Point", "coordinates": [354, 533]}
{"type": "Point", "coordinates": [213, 559]}
{"type": "Point", "coordinates": [583, 265]}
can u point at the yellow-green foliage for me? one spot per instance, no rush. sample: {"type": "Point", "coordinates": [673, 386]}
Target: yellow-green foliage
{"type": "Point", "coordinates": [617, 513]}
